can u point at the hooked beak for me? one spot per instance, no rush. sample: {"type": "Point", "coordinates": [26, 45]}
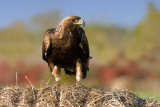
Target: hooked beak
{"type": "Point", "coordinates": [80, 22]}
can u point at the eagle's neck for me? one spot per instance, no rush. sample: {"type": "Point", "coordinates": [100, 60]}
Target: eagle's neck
{"type": "Point", "coordinates": [67, 29]}
{"type": "Point", "coordinates": [59, 31]}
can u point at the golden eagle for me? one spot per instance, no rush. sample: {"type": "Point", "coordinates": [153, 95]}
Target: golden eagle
{"type": "Point", "coordinates": [67, 47]}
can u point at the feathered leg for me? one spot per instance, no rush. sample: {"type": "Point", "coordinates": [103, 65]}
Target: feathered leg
{"type": "Point", "coordinates": [78, 71]}
{"type": "Point", "coordinates": [56, 71]}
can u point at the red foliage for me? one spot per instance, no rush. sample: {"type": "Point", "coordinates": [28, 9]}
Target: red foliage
{"type": "Point", "coordinates": [33, 73]}
{"type": "Point", "coordinates": [117, 69]}
{"type": "Point", "coordinates": [7, 72]}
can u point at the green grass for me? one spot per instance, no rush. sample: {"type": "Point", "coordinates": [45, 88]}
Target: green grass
{"type": "Point", "coordinates": [149, 95]}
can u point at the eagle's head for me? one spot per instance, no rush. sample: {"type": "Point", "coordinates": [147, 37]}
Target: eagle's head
{"type": "Point", "coordinates": [72, 21]}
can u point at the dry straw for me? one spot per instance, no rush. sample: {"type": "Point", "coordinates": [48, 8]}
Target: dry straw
{"type": "Point", "coordinates": [71, 96]}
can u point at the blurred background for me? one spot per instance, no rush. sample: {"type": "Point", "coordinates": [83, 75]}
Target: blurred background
{"type": "Point", "coordinates": [124, 40]}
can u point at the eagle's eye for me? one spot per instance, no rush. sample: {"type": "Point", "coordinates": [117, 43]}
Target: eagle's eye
{"type": "Point", "coordinates": [74, 20]}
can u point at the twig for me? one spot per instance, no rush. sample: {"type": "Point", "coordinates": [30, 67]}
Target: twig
{"type": "Point", "coordinates": [16, 80]}
{"type": "Point", "coordinates": [48, 81]}
{"type": "Point", "coordinates": [29, 81]}
{"type": "Point", "coordinates": [43, 82]}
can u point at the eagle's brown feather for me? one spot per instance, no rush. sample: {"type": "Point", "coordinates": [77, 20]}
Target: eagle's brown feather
{"type": "Point", "coordinates": [66, 45]}
{"type": "Point", "coordinates": [46, 44]}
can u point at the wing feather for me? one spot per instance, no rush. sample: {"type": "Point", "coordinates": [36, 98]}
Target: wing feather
{"type": "Point", "coordinates": [46, 46]}
{"type": "Point", "coordinates": [84, 42]}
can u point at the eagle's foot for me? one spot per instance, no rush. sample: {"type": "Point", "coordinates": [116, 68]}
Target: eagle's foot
{"type": "Point", "coordinates": [57, 95]}
{"type": "Point", "coordinates": [57, 90]}
{"type": "Point", "coordinates": [78, 83]}
{"type": "Point", "coordinates": [57, 85]}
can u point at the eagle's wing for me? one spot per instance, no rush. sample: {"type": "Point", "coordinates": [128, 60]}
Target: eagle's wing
{"type": "Point", "coordinates": [84, 42]}
{"type": "Point", "coordinates": [46, 46]}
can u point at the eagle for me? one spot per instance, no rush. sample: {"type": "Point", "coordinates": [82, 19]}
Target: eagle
{"type": "Point", "coordinates": [67, 47]}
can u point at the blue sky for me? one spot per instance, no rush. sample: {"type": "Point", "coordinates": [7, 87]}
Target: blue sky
{"type": "Point", "coordinates": [125, 13]}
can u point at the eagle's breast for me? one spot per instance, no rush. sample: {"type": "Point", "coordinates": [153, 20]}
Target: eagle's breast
{"type": "Point", "coordinates": [64, 49]}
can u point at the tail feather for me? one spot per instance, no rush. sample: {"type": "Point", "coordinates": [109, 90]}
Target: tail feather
{"type": "Point", "coordinates": [84, 69]}
{"type": "Point", "coordinates": [69, 72]}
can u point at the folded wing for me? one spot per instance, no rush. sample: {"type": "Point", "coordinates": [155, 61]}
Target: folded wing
{"type": "Point", "coordinates": [84, 42]}
{"type": "Point", "coordinates": [46, 46]}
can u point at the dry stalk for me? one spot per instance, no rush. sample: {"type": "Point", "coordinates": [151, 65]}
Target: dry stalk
{"type": "Point", "coordinates": [29, 81]}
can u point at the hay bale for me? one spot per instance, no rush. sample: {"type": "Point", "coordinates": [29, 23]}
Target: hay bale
{"type": "Point", "coordinates": [28, 97]}
{"type": "Point", "coordinates": [9, 96]}
{"type": "Point", "coordinates": [100, 97]}
{"type": "Point", "coordinates": [47, 97]}
{"type": "Point", "coordinates": [152, 103]}
{"type": "Point", "coordinates": [129, 99]}
{"type": "Point", "coordinates": [71, 96]}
